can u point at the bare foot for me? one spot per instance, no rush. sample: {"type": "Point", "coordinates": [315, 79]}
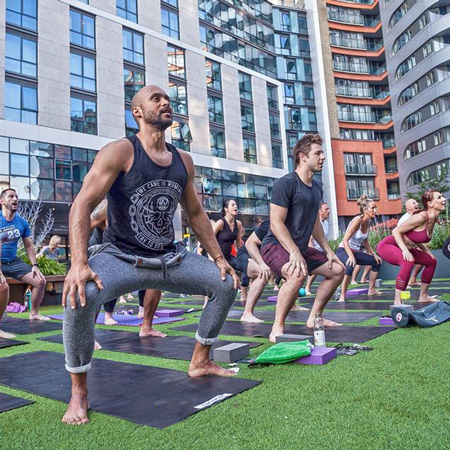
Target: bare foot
{"type": "Point", "coordinates": [428, 299]}
{"type": "Point", "coordinates": [146, 332]}
{"type": "Point", "coordinates": [130, 297]}
{"type": "Point", "coordinates": [5, 335]}
{"type": "Point", "coordinates": [209, 369]}
{"type": "Point", "coordinates": [341, 300]}
{"type": "Point", "coordinates": [413, 283]}
{"type": "Point", "coordinates": [374, 292]}
{"type": "Point", "coordinates": [250, 318]}
{"type": "Point", "coordinates": [275, 333]}
{"type": "Point", "coordinates": [299, 308]}
{"type": "Point", "coordinates": [276, 288]}
{"type": "Point", "coordinates": [110, 321]}
{"type": "Point", "coordinates": [122, 299]}
{"type": "Point", "coordinates": [363, 281]}
{"type": "Point", "coordinates": [76, 413]}
{"type": "Point", "coordinates": [97, 345]}
{"type": "Point", "coordinates": [308, 293]}
{"type": "Point", "coordinates": [326, 323]}
{"type": "Point", "coordinates": [355, 282]}
{"type": "Point", "coordinates": [38, 317]}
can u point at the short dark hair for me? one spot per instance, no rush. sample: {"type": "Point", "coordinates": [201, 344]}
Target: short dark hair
{"type": "Point", "coordinates": [304, 146]}
{"type": "Point", "coordinates": [3, 194]}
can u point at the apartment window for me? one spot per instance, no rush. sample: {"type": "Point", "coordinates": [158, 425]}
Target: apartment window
{"type": "Point", "coordinates": [181, 135]}
{"type": "Point", "coordinates": [247, 119]}
{"type": "Point", "coordinates": [435, 107]}
{"type": "Point", "coordinates": [127, 9]}
{"type": "Point", "coordinates": [171, 2]}
{"type": "Point", "coordinates": [289, 93]}
{"type": "Point", "coordinates": [21, 102]}
{"type": "Point", "coordinates": [309, 93]}
{"type": "Point", "coordinates": [133, 47]}
{"type": "Point", "coordinates": [82, 72]}
{"type": "Point", "coordinates": [303, 45]}
{"type": "Point", "coordinates": [285, 17]}
{"type": "Point", "coordinates": [275, 128]}
{"type": "Point", "coordinates": [169, 23]}
{"type": "Point", "coordinates": [217, 143]}
{"type": "Point", "coordinates": [178, 97]}
{"type": "Point", "coordinates": [272, 96]}
{"type": "Point", "coordinates": [291, 69]}
{"type": "Point", "coordinates": [215, 109]}
{"type": "Point", "coordinates": [22, 13]}
{"type": "Point", "coordinates": [82, 29]}
{"type": "Point", "coordinates": [294, 118]}
{"type": "Point", "coordinates": [283, 43]}
{"type": "Point", "coordinates": [20, 165]}
{"type": "Point", "coordinates": [213, 75]}
{"type": "Point", "coordinates": [83, 115]}
{"type": "Point", "coordinates": [21, 55]}
{"type": "Point", "coordinates": [131, 127]}
{"type": "Point", "coordinates": [438, 138]}
{"type": "Point", "coordinates": [245, 86]}
{"type": "Point", "coordinates": [134, 80]}
{"type": "Point", "coordinates": [250, 150]}
{"type": "Point", "coordinates": [176, 62]}
{"type": "Point", "coordinates": [277, 156]}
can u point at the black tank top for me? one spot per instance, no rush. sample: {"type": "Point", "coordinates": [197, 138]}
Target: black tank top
{"type": "Point", "coordinates": [142, 203]}
{"type": "Point", "coordinates": [226, 238]}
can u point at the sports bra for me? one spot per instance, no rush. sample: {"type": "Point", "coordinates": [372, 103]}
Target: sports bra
{"type": "Point", "coordinates": [419, 237]}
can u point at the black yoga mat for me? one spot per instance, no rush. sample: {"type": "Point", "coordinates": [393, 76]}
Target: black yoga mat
{"type": "Point", "coordinates": [365, 306]}
{"type": "Point", "coordinates": [236, 304]}
{"type": "Point", "coordinates": [25, 326]}
{"type": "Point", "coordinates": [302, 316]}
{"type": "Point", "coordinates": [5, 343]}
{"type": "Point", "coordinates": [333, 334]}
{"type": "Point", "coordinates": [146, 395]}
{"type": "Point", "coordinates": [170, 347]}
{"type": "Point", "coordinates": [9, 402]}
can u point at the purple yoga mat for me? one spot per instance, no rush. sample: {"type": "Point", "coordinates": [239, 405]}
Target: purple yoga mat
{"type": "Point", "coordinates": [357, 291]}
{"type": "Point", "coordinates": [129, 320]}
{"type": "Point", "coordinates": [272, 299]}
{"type": "Point", "coordinates": [169, 312]}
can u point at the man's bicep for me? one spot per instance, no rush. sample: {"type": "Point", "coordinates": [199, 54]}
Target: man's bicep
{"type": "Point", "coordinates": [277, 213]}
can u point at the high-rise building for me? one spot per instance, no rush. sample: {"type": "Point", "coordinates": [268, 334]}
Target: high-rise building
{"type": "Point", "coordinates": [417, 42]}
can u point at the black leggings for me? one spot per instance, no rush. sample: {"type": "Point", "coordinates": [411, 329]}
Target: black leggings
{"type": "Point", "coordinates": [109, 306]}
{"type": "Point", "coordinates": [141, 297]}
{"type": "Point", "coordinates": [363, 259]}
{"type": "Point", "coordinates": [446, 248]}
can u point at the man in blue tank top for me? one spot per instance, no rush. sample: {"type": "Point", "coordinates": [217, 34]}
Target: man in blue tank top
{"type": "Point", "coordinates": [12, 228]}
{"type": "Point", "coordinates": [145, 179]}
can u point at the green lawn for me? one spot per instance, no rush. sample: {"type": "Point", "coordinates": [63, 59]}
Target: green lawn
{"type": "Point", "coordinates": [396, 396]}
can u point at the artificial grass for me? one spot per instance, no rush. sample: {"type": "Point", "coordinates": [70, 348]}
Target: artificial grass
{"type": "Point", "coordinates": [395, 396]}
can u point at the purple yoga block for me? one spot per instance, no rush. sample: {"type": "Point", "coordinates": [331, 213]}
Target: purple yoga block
{"type": "Point", "coordinates": [169, 312]}
{"type": "Point", "coordinates": [318, 356]}
{"type": "Point", "coordinates": [272, 299]}
{"type": "Point", "coordinates": [386, 321]}
{"type": "Point", "coordinates": [358, 291]}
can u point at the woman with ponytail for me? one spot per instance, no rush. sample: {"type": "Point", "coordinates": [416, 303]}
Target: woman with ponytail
{"type": "Point", "coordinates": [349, 251]}
{"type": "Point", "coordinates": [406, 247]}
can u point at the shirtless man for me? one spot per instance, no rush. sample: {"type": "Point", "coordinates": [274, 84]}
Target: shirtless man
{"type": "Point", "coordinates": [145, 179]}
{"type": "Point", "coordinates": [294, 218]}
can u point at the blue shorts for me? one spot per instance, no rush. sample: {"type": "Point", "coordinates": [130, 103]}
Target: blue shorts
{"type": "Point", "coordinates": [15, 269]}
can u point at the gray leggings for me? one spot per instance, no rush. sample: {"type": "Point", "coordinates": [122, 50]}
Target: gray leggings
{"type": "Point", "coordinates": [194, 275]}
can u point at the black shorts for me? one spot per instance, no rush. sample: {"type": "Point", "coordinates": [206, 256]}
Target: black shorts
{"type": "Point", "coordinates": [242, 259]}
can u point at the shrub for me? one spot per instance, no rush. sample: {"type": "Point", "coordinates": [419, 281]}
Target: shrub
{"type": "Point", "coordinates": [47, 266]}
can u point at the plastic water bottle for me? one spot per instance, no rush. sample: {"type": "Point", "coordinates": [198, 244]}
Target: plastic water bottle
{"type": "Point", "coordinates": [319, 331]}
{"type": "Point", "coordinates": [28, 297]}
{"type": "Point", "coordinates": [337, 294]}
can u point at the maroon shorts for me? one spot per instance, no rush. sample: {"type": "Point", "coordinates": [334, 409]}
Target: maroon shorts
{"type": "Point", "coordinates": [276, 256]}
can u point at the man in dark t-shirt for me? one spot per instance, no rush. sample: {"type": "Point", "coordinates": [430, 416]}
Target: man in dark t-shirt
{"type": "Point", "coordinates": [294, 218]}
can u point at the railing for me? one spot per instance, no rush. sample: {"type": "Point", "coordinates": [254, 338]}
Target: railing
{"type": "Point", "coordinates": [339, 16]}
{"type": "Point", "coordinates": [377, 70]}
{"type": "Point", "coordinates": [339, 41]}
{"type": "Point", "coordinates": [391, 168]}
{"type": "Point", "coordinates": [361, 169]}
{"type": "Point", "coordinates": [393, 195]}
{"type": "Point", "coordinates": [362, 2]}
{"type": "Point", "coordinates": [351, 116]}
{"type": "Point", "coordinates": [383, 119]}
{"type": "Point", "coordinates": [371, 22]}
{"type": "Point", "coordinates": [351, 67]}
{"type": "Point", "coordinates": [355, 194]}
{"type": "Point", "coordinates": [347, 91]}
{"type": "Point", "coordinates": [374, 46]}
{"type": "Point", "coordinates": [388, 143]}
{"type": "Point", "coordinates": [379, 95]}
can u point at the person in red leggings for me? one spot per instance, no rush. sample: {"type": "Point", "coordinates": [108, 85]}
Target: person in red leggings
{"type": "Point", "coordinates": [406, 247]}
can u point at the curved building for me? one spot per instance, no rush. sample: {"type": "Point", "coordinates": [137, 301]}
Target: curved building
{"type": "Point", "coordinates": [417, 43]}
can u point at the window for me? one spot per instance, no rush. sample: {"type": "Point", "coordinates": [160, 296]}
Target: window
{"type": "Point", "coordinates": [245, 86]}
{"type": "Point", "coordinates": [217, 143]}
{"type": "Point", "coordinates": [438, 138]}
{"type": "Point", "coordinates": [134, 80]}
{"type": "Point", "coordinates": [175, 62]}
{"type": "Point", "coordinates": [131, 127]}
{"type": "Point", "coordinates": [247, 119]}
{"type": "Point", "coordinates": [285, 17]}
{"type": "Point", "coordinates": [171, 2]}
{"type": "Point", "coordinates": [215, 109]}
{"type": "Point", "coordinates": [133, 47]}
{"type": "Point", "coordinates": [283, 43]}
{"type": "Point", "coordinates": [22, 13]}
{"type": "Point", "coordinates": [411, 121]}
{"type": "Point", "coordinates": [178, 98]}
{"type": "Point", "coordinates": [181, 135]}
{"type": "Point", "coordinates": [127, 9]}
{"type": "Point", "coordinates": [291, 69]}
{"type": "Point", "coordinates": [82, 72]}
{"type": "Point", "coordinates": [275, 128]}
{"type": "Point", "coordinates": [250, 150]}
{"type": "Point", "coordinates": [277, 156]}
{"type": "Point", "coordinates": [21, 102]}
{"type": "Point", "coordinates": [169, 23]}
{"type": "Point", "coordinates": [82, 29]}
{"type": "Point", "coordinates": [63, 170]}
{"type": "Point", "coordinates": [20, 165]}
{"type": "Point", "coordinates": [83, 115]}
{"type": "Point", "coordinates": [272, 96]}
{"type": "Point", "coordinates": [213, 75]}
{"type": "Point", "coordinates": [20, 55]}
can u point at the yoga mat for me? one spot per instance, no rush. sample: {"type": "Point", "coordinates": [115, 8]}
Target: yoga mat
{"type": "Point", "coordinates": [128, 320]}
{"type": "Point", "coordinates": [334, 334]}
{"type": "Point", "coordinates": [9, 402]}
{"type": "Point", "coordinates": [365, 306]}
{"type": "Point", "coordinates": [24, 326]}
{"type": "Point", "coordinates": [135, 309]}
{"type": "Point", "coordinates": [170, 347]}
{"type": "Point", "coordinates": [302, 316]}
{"type": "Point", "coordinates": [146, 395]}
{"type": "Point", "coordinates": [236, 304]}
{"type": "Point", "coordinates": [5, 343]}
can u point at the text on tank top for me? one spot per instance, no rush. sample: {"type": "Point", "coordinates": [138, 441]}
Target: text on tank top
{"type": "Point", "coordinates": [226, 237]}
{"type": "Point", "coordinates": [142, 204]}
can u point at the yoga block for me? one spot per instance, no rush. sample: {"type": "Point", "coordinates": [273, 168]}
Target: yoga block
{"type": "Point", "coordinates": [272, 298]}
{"type": "Point", "coordinates": [318, 356]}
{"type": "Point", "coordinates": [169, 312]}
{"type": "Point", "coordinates": [378, 282]}
{"type": "Point", "coordinates": [358, 291]}
{"type": "Point", "coordinates": [294, 338]}
{"type": "Point", "coordinates": [408, 307]}
{"type": "Point", "coordinates": [231, 353]}
{"type": "Point", "coordinates": [386, 321]}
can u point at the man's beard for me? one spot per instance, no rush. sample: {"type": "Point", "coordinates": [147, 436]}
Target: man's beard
{"type": "Point", "coordinates": [156, 121]}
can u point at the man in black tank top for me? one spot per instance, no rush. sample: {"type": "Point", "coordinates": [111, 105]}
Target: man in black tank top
{"type": "Point", "coordinates": [145, 179]}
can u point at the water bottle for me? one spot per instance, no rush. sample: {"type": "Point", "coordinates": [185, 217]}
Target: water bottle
{"type": "Point", "coordinates": [28, 301]}
{"type": "Point", "coordinates": [319, 331]}
{"type": "Point", "coordinates": [337, 294]}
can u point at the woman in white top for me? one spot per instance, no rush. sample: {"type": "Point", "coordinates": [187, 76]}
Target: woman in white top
{"type": "Point", "coordinates": [349, 251]}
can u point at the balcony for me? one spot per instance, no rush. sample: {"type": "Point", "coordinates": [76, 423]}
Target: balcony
{"type": "Point", "coordinates": [362, 2]}
{"type": "Point", "coordinates": [393, 195]}
{"type": "Point", "coordinates": [388, 143]}
{"type": "Point", "coordinates": [355, 194]}
{"type": "Point", "coordinates": [343, 17]}
{"type": "Point", "coordinates": [361, 169]}
{"type": "Point", "coordinates": [360, 92]}
{"type": "Point", "coordinates": [353, 116]}
{"type": "Point", "coordinates": [374, 46]}
{"type": "Point", "coordinates": [351, 67]}
{"type": "Point", "coordinates": [358, 44]}
{"type": "Point", "coordinates": [383, 119]}
{"type": "Point", "coordinates": [391, 168]}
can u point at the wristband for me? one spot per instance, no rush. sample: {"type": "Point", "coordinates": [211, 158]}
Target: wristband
{"type": "Point", "coordinates": [34, 265]}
